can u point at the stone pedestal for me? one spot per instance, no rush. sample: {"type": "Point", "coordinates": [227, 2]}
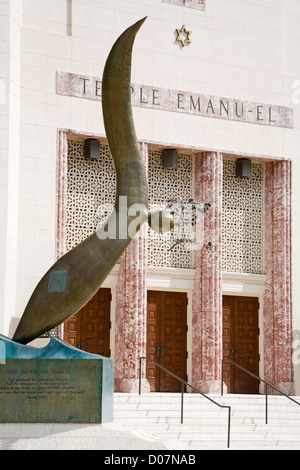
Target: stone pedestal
{"type": "Point", "coordinates": [54, 384]}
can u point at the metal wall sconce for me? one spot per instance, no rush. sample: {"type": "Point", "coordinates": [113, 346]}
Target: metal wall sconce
{"type": "Point", "coordinates": [92, 149]}
{"type": "Point", "coordinates": [170, 157]}
{"type": "Point", "coordinates": [243, 168]}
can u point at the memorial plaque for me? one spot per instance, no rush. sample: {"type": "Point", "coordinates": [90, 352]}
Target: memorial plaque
{"type": "Point", "coordinates": [58, 383]}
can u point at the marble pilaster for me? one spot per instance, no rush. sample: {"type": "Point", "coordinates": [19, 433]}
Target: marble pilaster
{"type": "Point", "coordinates": [278, 367]}
{"type": "Point", "coordinates": [207, 293]}
{"type": "Point", "coordinates": [131, 310]}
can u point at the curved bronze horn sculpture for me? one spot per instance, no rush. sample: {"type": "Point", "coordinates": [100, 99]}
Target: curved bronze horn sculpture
{"type": "Point", "coordinates": [75, 277]}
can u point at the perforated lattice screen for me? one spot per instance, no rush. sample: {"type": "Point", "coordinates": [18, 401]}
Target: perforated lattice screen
{"type": "Point", "coordinates": [92, 187]}
{"type": "Point", "coordinates": [91, 194]}
{"type": "Point", "coordinates": [91, 191]}
{"type": "Point", "coordinates": [165, 184]}
{"type": "Point", "coordinates": [243, 209]}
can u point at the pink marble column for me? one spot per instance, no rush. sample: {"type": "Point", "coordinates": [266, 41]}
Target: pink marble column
{"type": "Point", "coordinates": [61, 201]}
{"type": "Point", "coordinates": [207, 293]}
{"type": "Point", "coordinates": [61, 192]}
{"type": "Point", "coordinates": [131, 311]}
{"type": "Point", "coordinates": [278, 367]}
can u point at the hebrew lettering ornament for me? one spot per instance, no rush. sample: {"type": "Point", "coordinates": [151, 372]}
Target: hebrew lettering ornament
{"type": "Point", "coordinates": [75, 278]}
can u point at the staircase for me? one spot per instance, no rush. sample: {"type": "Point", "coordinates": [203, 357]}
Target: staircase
{"type": "Point", "coordinates": [157, 417]}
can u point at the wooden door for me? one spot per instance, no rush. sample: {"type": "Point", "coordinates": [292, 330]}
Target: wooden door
{"type": "Point", "coordinates": [240, 343]}
{"type": "Point", "coordinates": [89, 329]}
{"type": "Point", "coordinates": [166, 339]}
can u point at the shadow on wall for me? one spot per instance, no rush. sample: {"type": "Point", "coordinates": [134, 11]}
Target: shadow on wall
{"type": "Point", "coordinates": [14, 321]}
{"type": "Point", "coordinates": [37, 343]}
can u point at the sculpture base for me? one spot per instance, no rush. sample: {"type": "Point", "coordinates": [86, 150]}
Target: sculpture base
{"type": "Point", "coordinates": [55, 384]}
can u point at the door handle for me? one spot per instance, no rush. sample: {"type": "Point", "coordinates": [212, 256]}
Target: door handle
{"type": "Point", "coordinates": [83, 346]}
{"type": "Point", "coordinates": [157, 350]}
{"type": "Point", "coordinates": [234, 353]}
{"type": "Point", "coordinates": [162, 349]}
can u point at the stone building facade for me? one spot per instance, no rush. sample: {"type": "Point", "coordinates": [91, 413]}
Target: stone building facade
{"type": "Point", "coordinates": [218, 82]}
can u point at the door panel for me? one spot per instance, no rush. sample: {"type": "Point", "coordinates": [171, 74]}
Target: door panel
{"type": "Point", "coordinates": [89, 329]}
{"type": "Point", "coordinates": [173, 339]}
{"type": "Point", "coordinates": [71, 330]}
{"type": "Point", "coordinates": [166, 339]}
{"type": "Point", "coordinates": [240, 343]}
{"type": "Point", "coordinates": [227, 340]}
{"type": "Point", "coordinates": [153, 345]}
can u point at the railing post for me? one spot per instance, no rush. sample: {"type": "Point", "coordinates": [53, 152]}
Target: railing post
{"type": "Point", "coordinates": [182, 390]}
{"type": "Point", "coordinates": [222, 377]}
{"type": "Point", "coordinates": [183, 384]}
{"type": "Point", "coordinates": [229, 418]}
{"type": "Point", "coordinates": [140, 377]}
{"type": "Point", "coordinates": [266, 403]}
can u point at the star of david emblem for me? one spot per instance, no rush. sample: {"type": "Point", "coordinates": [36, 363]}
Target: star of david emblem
{"type": "Point", "coordinates": [183, 36]}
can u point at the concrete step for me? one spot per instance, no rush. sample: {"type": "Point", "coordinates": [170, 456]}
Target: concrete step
{"type": "Point", "coordinates": [191, 399]}
{"type": "Point", "coordinates": [243, 445]}
{"type": "Point", "coordinates": [205, 425]}
{"type": "Point", "coordinates": [263, 429]}
{"type": "Point", "coordinates": [204, 417]}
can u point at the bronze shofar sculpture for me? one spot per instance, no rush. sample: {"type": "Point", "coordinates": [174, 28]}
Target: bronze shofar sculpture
{"type": "Point", "coordinates": [75, 277]}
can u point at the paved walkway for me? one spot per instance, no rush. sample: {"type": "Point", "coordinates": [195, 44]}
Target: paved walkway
{"type": "Point", "coordinates": [74, 437]}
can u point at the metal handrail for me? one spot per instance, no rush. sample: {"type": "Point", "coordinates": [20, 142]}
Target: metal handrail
{"type": "Point", "coordinates": [183, 383]}
{"type": "Point", "coordinates": [267, 384]}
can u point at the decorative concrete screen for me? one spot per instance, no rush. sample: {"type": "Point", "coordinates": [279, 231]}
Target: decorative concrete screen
{"type": "Point", "coordinates": [163, 186]}
{"type": "Point", "coordinates": [243, 219]}
{"type": "Point", "coordinates": [91, 193]}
